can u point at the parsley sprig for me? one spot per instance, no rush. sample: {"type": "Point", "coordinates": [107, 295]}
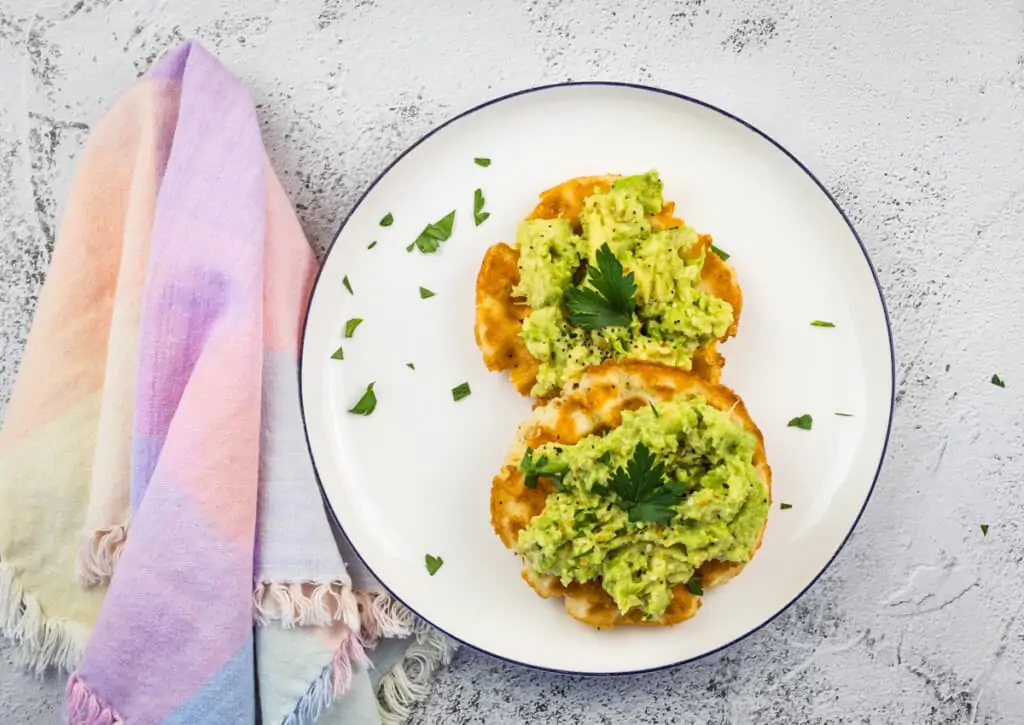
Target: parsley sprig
{"type": "Point", "coordinates": [642, 488]}
{"type": "Point", "coordinates": [609, 301]}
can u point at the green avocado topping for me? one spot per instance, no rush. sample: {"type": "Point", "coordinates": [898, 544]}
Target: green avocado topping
{"type": "Point", "coordinates": [644, 506]}
{"type": "Point", "coordinates": [618, 290]}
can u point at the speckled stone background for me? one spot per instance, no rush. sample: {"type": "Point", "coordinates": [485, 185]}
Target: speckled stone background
{"type": "Point", "coordinates": [909, 111]}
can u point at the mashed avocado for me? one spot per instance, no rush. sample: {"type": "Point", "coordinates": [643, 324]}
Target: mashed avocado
{"type": "Point", "coordinates": [587, 530]}
{"type": "Point", "coordinates": [673, 318]}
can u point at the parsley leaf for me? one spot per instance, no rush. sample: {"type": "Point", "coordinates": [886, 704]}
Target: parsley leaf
{"type": "Point", "coordinates": [657, 509]}
{"type": "Point", "coordinates": [784, 506]}
{"type": "Point", "coordinates": [589, 310]}
{"type": "Point", "coordinates": [803, 422]}
{"type": "Point", "coordinates": [348, 285]}
{"type": "Point", "coordinates": [351, 325]}
{"type": "Point", "coordinates": [984, 529]}
{"type": "Point", "coordinates": [460, 391]}
{"type": "Point", "coordinates": [433, 563]}
{"type": "Point", "coordinates": [694, 585]}
{"type": "Point", "coordinates": [367, 403]}
{"type": "Point", "coordinates": [611, 299]}
{"type": "Point", "coordinates": [722, 254]}
{"type": "Point", "coordinates": [642, 489]}
{"type": "Point", "coordinates": [338, 354]}
{"type": "Point", "coordinates": [822, 323]}
{"type": "Point", "coordinates": [410, 366]}
{"type": "Point", "coordinates": [372, 244]}
{"type": "Point", "coordinates": [429, 240]}
{"type": "Point", "coordinates": [426, 294]}
{"type": "Point", "coordinates": [479, 215]}
{"type": "Point", "coordinates": [388, 220]}
{"type": "Point", "coordinates": [481, 161]}
{"type": "Point", "coordinates": [998, 381]}
{"type": "Point", "coordinates": [541, 467]}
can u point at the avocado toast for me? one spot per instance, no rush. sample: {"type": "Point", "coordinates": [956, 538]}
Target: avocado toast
{"type": "Point", "coordinates": [638, 481]}
{"type": "Point", "coordinates": [637, 488]}
{"type": "Point", "coordinates": [601, 271]}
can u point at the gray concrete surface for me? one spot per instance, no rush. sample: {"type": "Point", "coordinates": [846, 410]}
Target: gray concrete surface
{"type": "Point", "coordinates": [910, 111]}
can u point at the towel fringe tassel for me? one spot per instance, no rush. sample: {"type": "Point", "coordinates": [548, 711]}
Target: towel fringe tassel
{"type": "Point", "coordinates": [98, 552]}
{"type": "Point", "coordinates": [381, 616]}
{"type": "Point", "coordinates": [84, 708]}
{"type": "Point", "coordinates": [370, 616]}
{"type": "Point", "coordinates": [348, 652]}
{"type": "Point", "coordinates": [306, 604]}
{"type": "Point", "coordinates": [40, 642]}
{"type": "Point", "coordinates": [408, 683]}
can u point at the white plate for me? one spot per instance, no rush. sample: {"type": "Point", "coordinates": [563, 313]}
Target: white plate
{"type": "Point", "coordinates": [414, 477]}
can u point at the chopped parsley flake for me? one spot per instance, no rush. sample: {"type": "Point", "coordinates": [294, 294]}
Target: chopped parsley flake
{"type": "Point", "coordinates": [481, 161]}
{"type": "Point", "coordinates": [351, 325]}
{"type": "Point", "coordinates": [429, 240]}
{"type": "Point", "coordinates": [998, 381]}
{"type": "Point", "coordinates": [367, 404]}
{"type": "Point", "coordinates": [433, 563]}
{"type": "Point", "coordinates": [348, 285]}
{"type": "Point", "coordinates": [785, 506]}
{"type": "Point", "coordinates": [372, 244]}
{"type": "Point", "coordinates": [803, 422]}
{"type": "Point", "coordinates": [479, 215]}
{"type": "Point", "coordinates": [693, 585]}
{"type": "Point", "coordinates": [822, 323]}
{"type": "Point", "coordinates": [410, 366]}
{"type": "Point", "coordinates": [460, 391]}
{"type": "Point", "coordinates": [388, 220]}
{"type": "Point", "coordinates": [338, 354]}
{"type": "Point", "coordinates": [845, 415]}
{"type": "Point", "coordinates": [722, 254]}
{"type": "Point", "coordinates": [984, 529]}
{"type": "Point", "coordinates": [425, 293]}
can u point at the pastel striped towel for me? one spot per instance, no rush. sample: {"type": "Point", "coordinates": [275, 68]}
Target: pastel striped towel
{"type": "Point", "coordinates": [162, 535]}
